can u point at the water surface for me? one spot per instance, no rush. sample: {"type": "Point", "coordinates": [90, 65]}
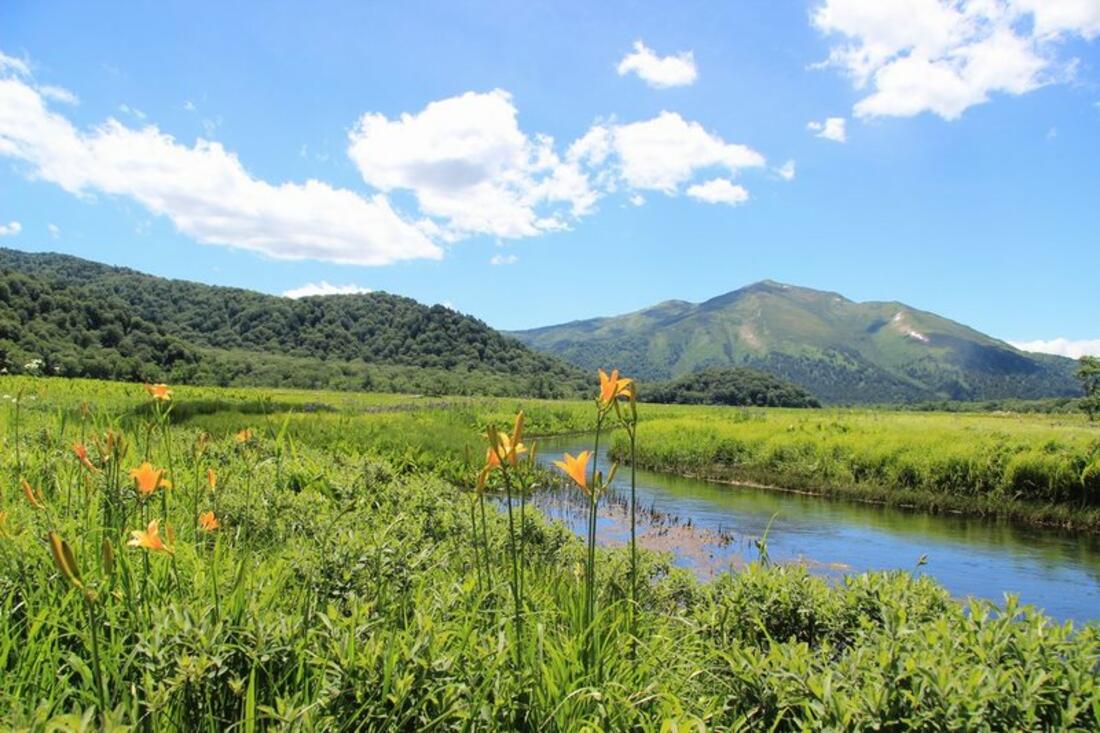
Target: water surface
{"type": "Point", "coordinates": [1056, 571]}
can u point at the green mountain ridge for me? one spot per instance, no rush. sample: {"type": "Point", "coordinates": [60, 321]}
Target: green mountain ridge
{"type": "Point", "coordinates": [83, 318]}
{"type": "Point", "coordinates": [841, 350]}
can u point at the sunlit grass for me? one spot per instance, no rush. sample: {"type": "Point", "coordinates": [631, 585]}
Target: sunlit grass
{"type": "Point", "coordinates": [269, 564]}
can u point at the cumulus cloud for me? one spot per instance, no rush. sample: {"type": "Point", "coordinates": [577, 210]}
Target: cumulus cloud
{"type": "Point", "coordinates": [203, 188]}
{"type": "Point", "coordinates": [1061, 347]}
{"type": "Point", "coordinates": [944, 56]}
{"type": "Point", "coordinates": [471, 168]}
{"type": "Point", "coordinates": [719, 191]}
{"type": "Point", "coordinates": [786, 171]}
{"type": "Point", "coordinates": [465, 160]}
{"type": "Point", "coordinates": [324, 288]}
{"type": "Point", "coordinates": [833, 128]}
{"type": "Point", "coordinates": [665, 152]}
{"type": "Point", "coordinates": [503, 259]}
{"type": "Point", "coordinates": [10, 229]}
{"type": "Point", "coordinates": [54, 230]}
{"type": "Point", "coordinates": [659, 71]}
{"type": "Point", "coordinates": [1055, 17]}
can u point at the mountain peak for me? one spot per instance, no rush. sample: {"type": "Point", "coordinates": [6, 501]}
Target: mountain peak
{"type": "Point", "coordinates": [839, 349]}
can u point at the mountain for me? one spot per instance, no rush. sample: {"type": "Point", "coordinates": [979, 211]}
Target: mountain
{"type": "Point", "coordinates": [82, 318]}
{"type": "Point", "coordinates": [841, 351]}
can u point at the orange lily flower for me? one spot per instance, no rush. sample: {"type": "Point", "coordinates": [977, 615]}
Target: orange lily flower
{"type": "Point", "coordinates": [508, 447]}
{"type": "Point", "coordinates": [614, 386]}
{"type": "Point", "coordinates": [208, 522]}
{"type": "Point", "coordinates": [576, 468]}
{"type": "Point", "coordinates": [28, 490]}
{"type": "Point", "coordinates": [148, 479]}
{"type": "Point", "coordinates": [244, 436]}
{"type": "Point", "coordinates": [159, 392]}
{"type": "Point", "coordinates": [82, 455]}
{"type": "Point", "coordinates": [211, 479]}
{"type": "Point", "coordinates": [150, 539]}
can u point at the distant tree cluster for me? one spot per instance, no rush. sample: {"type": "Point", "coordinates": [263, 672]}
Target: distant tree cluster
{"type": "Point", "coordinates": [80, 318]}
{"type": "Point", "coordinates": [1089, 374]}
{"type": "Point", "coordinates": [736, 386]}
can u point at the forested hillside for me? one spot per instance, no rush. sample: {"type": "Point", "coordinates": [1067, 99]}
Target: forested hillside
{"type": "Point", "coordinates": [80, 318]}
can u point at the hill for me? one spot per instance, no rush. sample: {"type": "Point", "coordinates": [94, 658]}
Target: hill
{"type": "Point", "coordinates": [82, 318]}
{"type": "Point", "coordinates": [736, 386]}
{"type": "Point", "coordinates": [841, 350]}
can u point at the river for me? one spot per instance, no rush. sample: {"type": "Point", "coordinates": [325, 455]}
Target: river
{"type": "Point", "coordinates": [712, 527]}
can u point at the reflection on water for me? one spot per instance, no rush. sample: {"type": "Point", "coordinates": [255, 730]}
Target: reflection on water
{"type": "Point", "coordinates": [1056, 571]}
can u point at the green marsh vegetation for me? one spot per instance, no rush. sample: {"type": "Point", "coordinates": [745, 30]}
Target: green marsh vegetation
{"type": "Point", "coordinates": [1043, 469]}
{"type": "Point", "coordinates": [244, 560]}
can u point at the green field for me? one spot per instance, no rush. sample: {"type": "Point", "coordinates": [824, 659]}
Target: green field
{"type": "Point", "coordinates": [1037, 468]}
{"type": "Point", "coordinates": [347, 586]}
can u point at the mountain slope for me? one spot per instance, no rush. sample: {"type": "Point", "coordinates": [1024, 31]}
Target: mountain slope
{"type": "Point", "coordinates": [840, 350]}
{"type": "Point", "coordinates": [83, 318]}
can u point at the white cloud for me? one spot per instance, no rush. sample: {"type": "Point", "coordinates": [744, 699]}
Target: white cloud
{"type": "Point", "coordinates": [1061, 347]}
{"type": "Point", "coordinates": [471, 168]}
{"type": "Point", "coordinates": [58, 94]}
{"type": "Point", "coordinates": [132, 111]}
{"type": "Point", "coordinates": [833, 128]}
{"type": "Point", "coordinates": [17, 66]}
{"type": "Point", "coordinates": [54, 230]}
{"type": "Point", "coordinates": [10, 229]}
{"type": "Point", "coordinates": [659, 71]}
{"type": "Point", "coordinates": [719, 191]}
{"type": "Point", "coordinates": [662, 153]}
{"type": "Point", "coordinates": [324, 288]}
{"type": "Point", "coordinates": [637, 199]}
{"type": "Point", "coordinates": [1053, 17]}
{"type": "Point", "coordinates": [503, 259]}
{"type": "Point", "coordinates": [786, 171]}
{"type": "Point", "coordinates": [204, 189]}
{"type": "Point", "coordinates": [189, 106]}
{"type": "Point", "coordinates": [944, 56]}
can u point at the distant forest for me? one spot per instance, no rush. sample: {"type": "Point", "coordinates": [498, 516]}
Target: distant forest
{"type": "Point", "coordinates": [733, 386]}
{"type": "Point", "coordinates": [65, 316]}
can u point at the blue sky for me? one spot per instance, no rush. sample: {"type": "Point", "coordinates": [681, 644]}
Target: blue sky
{"type": "Point", "coordinates": [531, 163]}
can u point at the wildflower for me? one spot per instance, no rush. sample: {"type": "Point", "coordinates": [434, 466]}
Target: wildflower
{"type": "Point", "coordinates": [159, 392]}
{"type": "Point", "coordinates": [506, 447]}
{"type": "Point", "coordinates": [150, 539]}
{"type": "Point", "coordinates": [211, 479]}
{"type": "Point", "coordinates": [3, 524]}
{"type": "Point", "coordinates": [614, 386]}
{"type": "Point", "coordinates": [82, 455]}
{"type": "Point", "coordinates": [28, 490]}
{"type": "Point", "coordinates": [576, 468]}
{"type": "Point", "coordinates": [148, 479]}
{"type": "Point", "coordinates": [243, 436]}
{"type": "Point", "coordinates": [208, 522]}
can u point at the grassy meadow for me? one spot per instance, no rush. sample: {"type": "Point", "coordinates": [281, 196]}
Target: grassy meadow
{"type": "Point", "coordinates": [246, 559]}
{"type": "Point", "coordinates": [1036, 468]}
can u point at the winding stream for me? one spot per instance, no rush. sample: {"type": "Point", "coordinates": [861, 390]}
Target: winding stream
{"type": "Point", "coordinates": [713, 527]}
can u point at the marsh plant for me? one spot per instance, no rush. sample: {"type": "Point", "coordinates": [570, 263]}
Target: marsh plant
{"type": "Point", "coordinates": [189, 559]}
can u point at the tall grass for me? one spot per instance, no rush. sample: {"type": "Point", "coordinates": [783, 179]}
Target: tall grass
{"type": "Point", "coordinates": [1042, 469]}
{"type": "Point", "coordinates": [339, 592]}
